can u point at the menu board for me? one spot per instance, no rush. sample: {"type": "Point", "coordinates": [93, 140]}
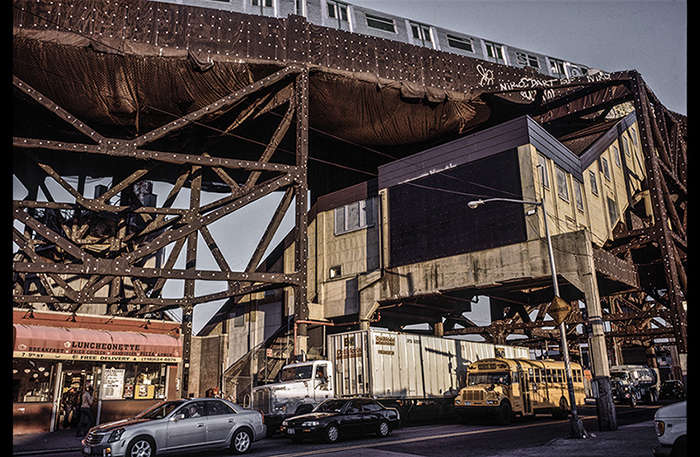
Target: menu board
{"type": "Point", "coordinates": [113, 383]}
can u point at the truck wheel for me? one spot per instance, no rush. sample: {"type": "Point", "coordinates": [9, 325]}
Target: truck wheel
{"type": "Point", "coordinates": [383, 430]}
{"type": "Point", "coordinates": [505, 413]}
{"type": "Point", "coordinates": [680, 448]}
{"type": "Point", "coordinates": [332, 433]}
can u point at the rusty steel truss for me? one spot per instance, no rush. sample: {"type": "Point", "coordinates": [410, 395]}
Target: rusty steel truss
{"type": "Point", "coordinates": [656, 246]}
{"type": "Point", "coordinates": [77, 269]}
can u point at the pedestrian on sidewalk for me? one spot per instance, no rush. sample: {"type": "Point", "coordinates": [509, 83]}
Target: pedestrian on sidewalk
{"type": "Point", "coordinates": [86, 419]}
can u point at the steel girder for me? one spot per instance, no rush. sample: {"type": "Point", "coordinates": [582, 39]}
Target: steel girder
{"type": "Point", "coordinates": [57, 265]}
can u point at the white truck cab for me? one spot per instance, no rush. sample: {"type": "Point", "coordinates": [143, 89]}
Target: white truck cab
{"type": "Point", "coordinates": [301, 387]}
{"type": "Point", "coordinates": [671, 429]}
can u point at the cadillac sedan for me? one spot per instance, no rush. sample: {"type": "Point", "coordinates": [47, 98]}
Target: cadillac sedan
{"type": "Point", "coordinates": [338, 417]}
{"type": "Point", "coordinates": [185, 425]}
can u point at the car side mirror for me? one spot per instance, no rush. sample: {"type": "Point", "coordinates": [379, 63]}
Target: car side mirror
{"type": "Point", "coordinates": [177, 417]}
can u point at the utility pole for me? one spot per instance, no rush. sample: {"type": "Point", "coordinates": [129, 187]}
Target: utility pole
{"type": "Point", "coordinates": [577, 430]}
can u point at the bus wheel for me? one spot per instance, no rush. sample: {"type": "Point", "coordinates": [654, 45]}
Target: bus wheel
{"type": "Point", "coordinates": [505, 413]}
{"type": "Point", "coordinates": [562, 411]}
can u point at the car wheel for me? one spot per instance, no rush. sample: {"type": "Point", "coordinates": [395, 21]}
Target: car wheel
{"type": "Point", "coordinates": [505, 413]}
{"type": "Point", "coordinates": [241, 441]}
{"type": "Point", "coordinates": [141, 446]}
{"type": "Point", "coordinates": [332, 433]}
{"type": "Point", "coordinates": [383, 430]}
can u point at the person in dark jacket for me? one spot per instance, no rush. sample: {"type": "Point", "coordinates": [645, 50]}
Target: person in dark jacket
{"type": "Point", "coordinates": [86, 419]}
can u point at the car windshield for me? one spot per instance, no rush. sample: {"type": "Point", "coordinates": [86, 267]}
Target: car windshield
{"type": "Point", "coordinates": [160, 410]}
{"type": "Point", "coordinates": [619, 375]}
{"type": "Point", "coordinates": [489, 378]}
{"type": "Point", "coordinates": [296, 373]}
{"type": "Point", "coordinates": [330, 406]}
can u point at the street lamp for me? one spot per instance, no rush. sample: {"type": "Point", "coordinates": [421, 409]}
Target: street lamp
{"type": "Point", "coordinates": [577, 430]}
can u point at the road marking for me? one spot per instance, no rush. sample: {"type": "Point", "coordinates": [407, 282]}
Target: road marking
{"type": "Point", "coordinates": [425, 438]}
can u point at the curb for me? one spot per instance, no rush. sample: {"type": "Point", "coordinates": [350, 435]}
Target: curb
{"type": "Point", "coordinates": [45, 451]}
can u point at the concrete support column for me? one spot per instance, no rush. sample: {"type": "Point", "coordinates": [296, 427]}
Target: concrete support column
{"type": "Point", "coordinates": [364, 324]}
{"type": "Point", "coordinates": [607, 419]}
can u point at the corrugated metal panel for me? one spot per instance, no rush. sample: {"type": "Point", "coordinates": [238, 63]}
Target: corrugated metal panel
{"type": "Point", "coordinates": [386, 364]}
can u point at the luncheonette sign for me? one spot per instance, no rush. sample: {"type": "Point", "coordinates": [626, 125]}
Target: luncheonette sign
{"type": "Point", "coordinates": [42, 342]}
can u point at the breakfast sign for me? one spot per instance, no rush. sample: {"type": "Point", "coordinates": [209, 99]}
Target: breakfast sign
{"type": "Point", "coordinates": [58, 343]}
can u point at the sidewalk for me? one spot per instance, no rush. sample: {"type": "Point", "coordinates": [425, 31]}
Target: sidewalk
{"type": "Point", "coordinates": [634, 440]}
{"type": "Point", "coordinates": [38, 443]}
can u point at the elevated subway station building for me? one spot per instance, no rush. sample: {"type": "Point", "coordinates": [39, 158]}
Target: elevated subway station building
{"type": "Point", "coordinates": [240, 106]}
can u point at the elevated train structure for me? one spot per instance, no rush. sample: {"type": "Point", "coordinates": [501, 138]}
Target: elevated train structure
{"type": "Point", "coordinates": [352, 18]}
{"type": "Point", "coordinates": [201, 100]}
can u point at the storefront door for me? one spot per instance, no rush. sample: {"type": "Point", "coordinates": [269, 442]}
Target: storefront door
{"type": "Point", "coordinates": [74, 378]}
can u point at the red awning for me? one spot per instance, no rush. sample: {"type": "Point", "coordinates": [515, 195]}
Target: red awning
{"type": "Point", "coordinates": [37, 341]}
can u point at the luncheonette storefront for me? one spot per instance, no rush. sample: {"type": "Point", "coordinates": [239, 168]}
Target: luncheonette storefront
{"type": "Point", "coordinates": [130, 363]}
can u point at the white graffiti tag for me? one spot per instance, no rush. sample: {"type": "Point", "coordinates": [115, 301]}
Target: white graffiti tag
{"type": "Point", "coordinates": [486, 76]}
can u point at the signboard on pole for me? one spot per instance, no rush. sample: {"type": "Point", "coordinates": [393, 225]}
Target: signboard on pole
{"type": "Point", "coordinates": [559, 309]}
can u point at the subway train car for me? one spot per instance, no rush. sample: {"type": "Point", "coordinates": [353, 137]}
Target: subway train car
{"type": "Point", "coordinates": [356, 19]}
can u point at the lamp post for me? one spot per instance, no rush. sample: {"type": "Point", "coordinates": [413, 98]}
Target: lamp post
{"type": "Point", "coordinates": [577, 430]}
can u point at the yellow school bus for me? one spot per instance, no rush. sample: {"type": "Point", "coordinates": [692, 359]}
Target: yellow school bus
{"type": "Point", "coordinates": [508, 387]}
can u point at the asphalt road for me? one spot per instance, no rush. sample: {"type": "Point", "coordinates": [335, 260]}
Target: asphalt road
{"type": "Point", "coordinates": [441, 439]}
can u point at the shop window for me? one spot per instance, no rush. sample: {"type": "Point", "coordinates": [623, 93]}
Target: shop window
{"type": "Point", "coordinates": [381, 23]}
{"type": "Point", "coordinates": [578, 195]}
{"type": "Point", "coordinates": [354, 216]}
{"type": "Point", "coordinates": [594, 183]}
{"type": "Point", "coordinates": [32, 381]}
{"type": "Point", "coordinates": [150, 382]}
{"type": "Point", "coordinates": [562, 185]}
{"type": "Point", "coordinates": [464, 44]}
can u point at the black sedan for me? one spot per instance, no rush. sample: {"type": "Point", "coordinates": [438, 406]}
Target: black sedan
{"type": "Point", "coordinates": [342, 417]}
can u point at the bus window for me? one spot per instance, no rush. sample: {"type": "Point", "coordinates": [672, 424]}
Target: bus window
{"type": "Point", "coordinates": [560, 375]}
{"type": "Point", "coordinates": [530, 375]}
{"type": "Point", "coordinates": [516, 377]}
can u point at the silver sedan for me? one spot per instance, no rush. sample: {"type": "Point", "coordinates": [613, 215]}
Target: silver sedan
{"type": "Point", "coordinates": [185, 425]}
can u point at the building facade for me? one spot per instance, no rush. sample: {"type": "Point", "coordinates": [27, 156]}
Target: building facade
{"type": "Point", "coordinates": [130, 363]}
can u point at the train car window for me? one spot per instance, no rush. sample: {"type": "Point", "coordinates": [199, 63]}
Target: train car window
{"type": "Point", "coordinates": [527, 60]}
{"type": "Point", "coordinates": [464, 44]}
{"type": "Point", "coordinates": [381, 23]}
{"type": "Point", "coordinates": [494, 50]}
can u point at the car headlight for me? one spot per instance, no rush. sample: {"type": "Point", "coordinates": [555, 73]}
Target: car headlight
{"type": "Point", "coordinates": [285, 423]}
{"type": "Point", "coordinates": [458, 401]}
{"type": "Point", "coordinates": [116, 435]}
{"type": "Point", "coordinates": [309, 424]}
{"type": "Point", "coordinates": [660, 427]}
